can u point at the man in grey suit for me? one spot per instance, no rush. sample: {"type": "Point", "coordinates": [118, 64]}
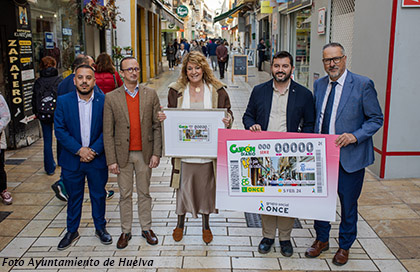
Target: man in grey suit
{"type": "Point", "coordinates": [133, 144]}
{"type": "Point", "coordinates": [346, 105]}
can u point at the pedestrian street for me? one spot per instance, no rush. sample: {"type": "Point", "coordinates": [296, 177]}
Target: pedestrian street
{"type": "Point", "coordinates": [388, 238]}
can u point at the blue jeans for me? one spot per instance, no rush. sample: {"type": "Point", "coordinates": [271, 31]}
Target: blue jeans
{"type": "Point", "coordinates": [49, 163]}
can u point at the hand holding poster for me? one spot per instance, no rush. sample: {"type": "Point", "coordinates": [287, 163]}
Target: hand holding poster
{"type": "Point", "coordinates": [277, 173]}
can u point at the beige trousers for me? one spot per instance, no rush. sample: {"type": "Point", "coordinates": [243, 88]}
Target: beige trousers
{"type": "Point", "coordinates": [125, 181]}
{"type": "Point", "coordinates": [270, 223]}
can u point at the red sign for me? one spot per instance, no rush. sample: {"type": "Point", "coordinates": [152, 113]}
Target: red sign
{"type": "Point", "coordinates": [411, 3]}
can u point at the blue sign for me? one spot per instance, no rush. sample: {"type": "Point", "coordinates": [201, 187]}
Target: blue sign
{"type": "Point", "coordinates": [100, 2]}
{"type": "Point", "coordinates": [49, 40]}
{"type": "Point", "coordinates": [77, 50]}
{"type": "Point", "coordinates": [67, 31]}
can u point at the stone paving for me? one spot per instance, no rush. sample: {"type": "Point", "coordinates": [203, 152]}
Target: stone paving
{"type": "Point", "coordinates": [388, 238]}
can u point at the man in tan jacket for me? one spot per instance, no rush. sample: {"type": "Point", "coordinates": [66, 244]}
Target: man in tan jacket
{"type": "Point", "coordinates": [133, 142]}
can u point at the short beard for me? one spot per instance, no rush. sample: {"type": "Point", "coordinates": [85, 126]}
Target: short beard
{"type": "Point", "coordinates": [84, 93]}
{"type": "Point", "coordinates": [286, 77]}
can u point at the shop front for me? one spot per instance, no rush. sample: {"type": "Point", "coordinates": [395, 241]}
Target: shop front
{"type": "Point", "coordinates": [29, 31]}
{"type": "Point", "coordinates": [295, 35]}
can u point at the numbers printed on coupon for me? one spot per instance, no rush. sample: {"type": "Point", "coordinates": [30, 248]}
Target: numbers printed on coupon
{"type": "Point", "coordinates": [194, 133]}
{"type": "Point", "coordinates": [285, 167]}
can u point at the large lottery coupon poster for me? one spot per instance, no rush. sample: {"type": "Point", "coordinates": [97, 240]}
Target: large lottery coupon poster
{"type": "Point", "coordinates": [277, 173]}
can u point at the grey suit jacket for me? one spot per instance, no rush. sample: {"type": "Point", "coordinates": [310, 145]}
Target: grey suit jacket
{"type": "Point", "coordinates": [358, 113]}
{"type": "Point", "coordinates": [117, 126]}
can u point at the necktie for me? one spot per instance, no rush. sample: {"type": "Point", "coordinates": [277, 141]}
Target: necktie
{"type": "Point", "coordinates": [328, 110]}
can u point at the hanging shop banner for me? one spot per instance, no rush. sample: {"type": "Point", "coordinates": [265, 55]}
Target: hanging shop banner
{"type": "Point", "coordinates": [278, 173]}
{"type": "Point", "coordinates": [266, 8]}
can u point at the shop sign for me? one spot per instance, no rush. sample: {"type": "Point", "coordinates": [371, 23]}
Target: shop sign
{"type": "Point", "coordinates": [411, 3]}
{"type": "Point", "coordinates": [297, 4]}
{"type": "Point", "coordinates": [67, 31]}
{"type": "Point", "coordinates": [21, 72]}
{"type": "Point", "coordinates": [321, 21]}
{"type": "Point", "coordinates": [266, 8]}
{"type": "Point", "coordinates": [49, 40]}
{"type": "Point", "coordinates": [182, 11]}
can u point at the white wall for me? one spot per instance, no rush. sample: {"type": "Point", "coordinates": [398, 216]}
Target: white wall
{"type": "Point", "coordinates": [404, 122]}
{"type": "Point", "coordinates": [124, 28]}
{"type": "Point", "coordinates": [317, 42]}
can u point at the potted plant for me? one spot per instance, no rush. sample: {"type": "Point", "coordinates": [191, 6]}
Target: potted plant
{"type": "Point", "coordinates": [128, 50]}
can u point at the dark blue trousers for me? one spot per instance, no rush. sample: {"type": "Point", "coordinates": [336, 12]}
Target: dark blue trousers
{"type": "Point", "coordinates": [49, 163]}
{"type": "Point", "coordinates": [74, 181]}
{"type": "Point", "coordinates": [349, 189]}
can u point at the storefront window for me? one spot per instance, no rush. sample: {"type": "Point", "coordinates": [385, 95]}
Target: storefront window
{"type": "Point", "coordinates": [57, 31]}
{"type": "Point", "coordinates": [302, 46]}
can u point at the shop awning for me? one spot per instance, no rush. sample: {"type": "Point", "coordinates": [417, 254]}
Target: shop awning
{"type": "Point", "coordinates": [168, 15]}
{"type": "Point", "coordinates": [228, 13]}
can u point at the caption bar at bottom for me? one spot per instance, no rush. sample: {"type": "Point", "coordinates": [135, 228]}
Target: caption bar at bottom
{"type": "Point", "coordinates": [75, 262]}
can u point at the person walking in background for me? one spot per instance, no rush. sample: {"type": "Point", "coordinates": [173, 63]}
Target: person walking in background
{"type": "Point", "coordinates": [4, 120]}
{"type": "Point", "coordinates": [346, 105]}
{"type": "Point", "coordinates": [107, 78]}
{"type": "Point", "coordinates": [78, 128]}
{"type": "Point", "coordinates": [222, 54]}
{"type": "Point", "coordinates": [133, 144]}
{"type": "Point", "coordinates": [194, 178]}
{"type": "Point", "coordinates": [176, 46]}
{"type": "Point", "coordinates": [227, 57]}
{"type": "Point", "coordinates": [196, 47]}
{"type": "Point", "coordinates": [204, 49]}
{"type": "Point", "coordinates": [186, 45]}
{"type": "Point", "coordinates": [291, 110]}
{"type": "Point", "coordinates": [180, 55]}
{"type": "Point", "coordinates": [212, 46]}
{"type": "Point", "coordinates": [170, 55]}
{"type": "Point", "coordinates": [44, 99]}
{"type": "Point", "coordinates": [261, 48]}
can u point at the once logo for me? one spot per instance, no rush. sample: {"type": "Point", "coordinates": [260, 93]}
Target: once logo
{"type": "Point", "coordinates": [182, 11]}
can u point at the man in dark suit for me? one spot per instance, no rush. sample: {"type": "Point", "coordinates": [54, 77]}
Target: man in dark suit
{"type": "Point", "coordinates": [67, 86]}
{"type": "Point", "coordinates": [78, 127]}
{"type": "Point", "coordinates": [280, 104]}
{"type": "Point", "coordinates": [347, 105]}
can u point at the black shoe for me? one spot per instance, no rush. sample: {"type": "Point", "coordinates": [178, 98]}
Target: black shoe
{"type": "Point", "coordinates": [68, 239]}
{"type": "Point", "coordinates": [104, 236]}
{"type": "Point", "coordinates": [286, 248]}
{"type": "Point", "coordinates": [265, 245]}
{"type": "Point", "coordinates": [109, 194]}
{"type": "Point", "coordinates": [59, 192]}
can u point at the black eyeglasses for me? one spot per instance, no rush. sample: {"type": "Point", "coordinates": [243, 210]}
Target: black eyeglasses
{"type": "Point", "coordinates": [131, 69]}
{"type": "Point", "coordinates": [336, 60]}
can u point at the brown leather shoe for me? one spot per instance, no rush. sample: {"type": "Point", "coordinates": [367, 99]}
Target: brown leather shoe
{"type": "Point", "coordinates": [178, 234]}
{"type": "Point", "coordinates": [123, 241]}
{"type": "Point", "coordinates": [316, 249]}
{"type": "Point", "coordinates": [207, 236]}
{"type": "Point", "coordinates": [150, 237]}
{"type": "Point", "coordinates": [341, 257]}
